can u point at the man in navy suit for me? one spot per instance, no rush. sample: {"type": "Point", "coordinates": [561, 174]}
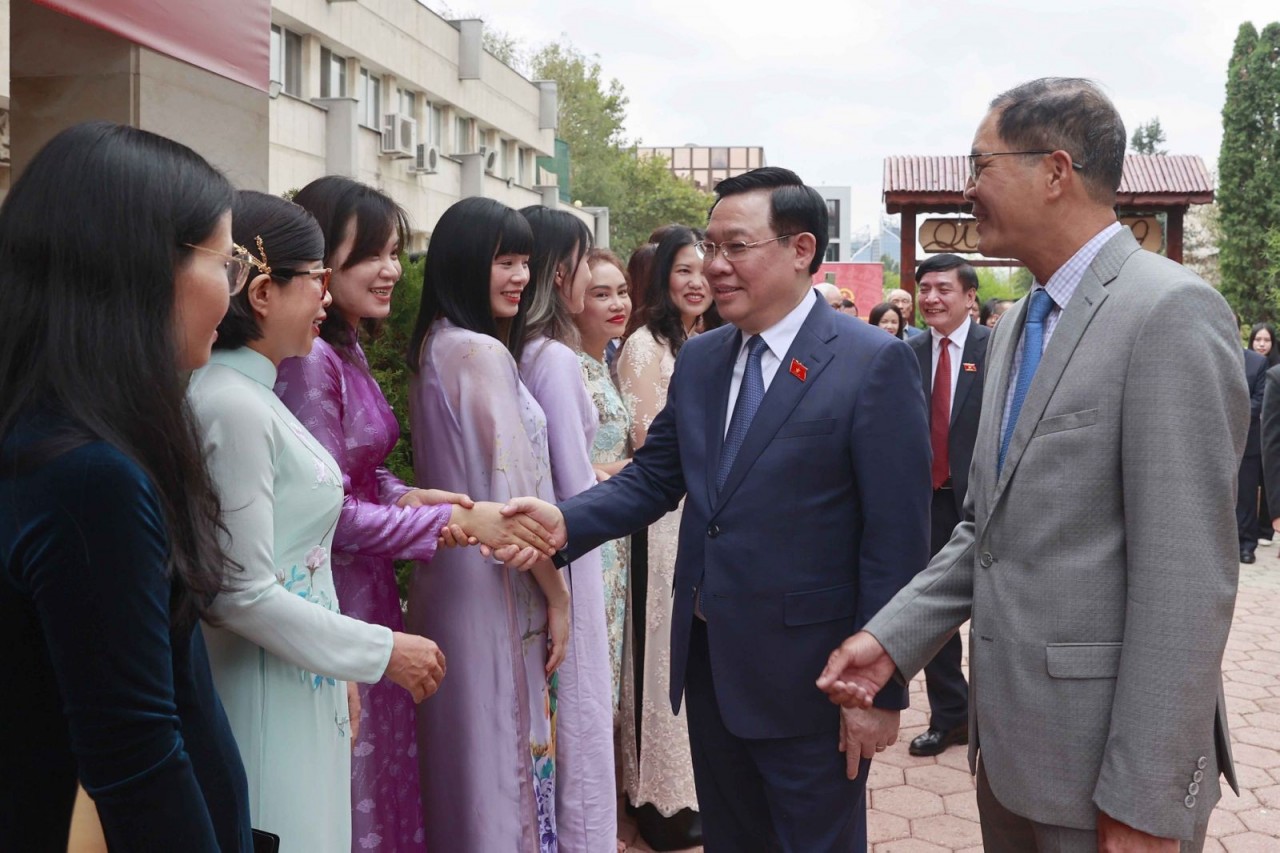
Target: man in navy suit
{"type": "Point", "coordinates": [951, 358]}
{"type": "Point", "coordinates": [1250, 478]}
{"type": "Point", "coordinates": [797, 526]}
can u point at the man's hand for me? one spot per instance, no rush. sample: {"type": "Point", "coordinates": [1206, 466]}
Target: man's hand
{"type": "Point", "coordinates": [548, 515]}
{"type": "Point", "coordinates": [863, 733]}
{"type": "Point", "coordinates": [1117, 837]}
{"type": "Point", "coordinates": [856, 671]}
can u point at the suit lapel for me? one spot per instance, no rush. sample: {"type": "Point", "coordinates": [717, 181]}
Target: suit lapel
{"type": "Point", "coordinates": [716, 395]}
{"type": "Point", "coordinates": [972, 354]}
{"type": "Point", "coordinates": [1088, 297]}
{"type": "Point", "coordinates": [785, 391]}
{"type": "Point", "coordinates": [924, 354]}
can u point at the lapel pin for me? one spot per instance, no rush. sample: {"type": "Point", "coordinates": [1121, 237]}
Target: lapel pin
{"type": "Point", "coordinates": [970, 367]}
{"type": "Point", "coordinates": [798, 370]}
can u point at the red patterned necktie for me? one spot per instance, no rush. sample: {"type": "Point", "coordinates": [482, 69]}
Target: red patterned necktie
{"type": "Point", "coordinates": [940, 414]}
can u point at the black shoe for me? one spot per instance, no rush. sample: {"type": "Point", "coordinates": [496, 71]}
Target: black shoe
{"type": "Point", "coordinates": [1247, 557]}
{"type": "Point", "coordinates": [679, 832]}
{"type": "Point", "coordinates": [934, 741]}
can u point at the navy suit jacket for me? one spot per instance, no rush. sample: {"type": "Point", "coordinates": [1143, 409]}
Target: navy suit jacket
{"type": "Point", "coordinates": [823, 518]}
{"type": "Point", "coordinates": [1255, 373]}
{"type": "Point", "coordinates": [966, 408]}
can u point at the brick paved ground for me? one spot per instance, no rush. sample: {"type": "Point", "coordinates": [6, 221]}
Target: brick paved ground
{"type": "Point", "coordinates": [926, 805]}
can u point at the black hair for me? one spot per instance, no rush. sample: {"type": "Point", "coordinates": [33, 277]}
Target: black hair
{"type": "Point", "coordinates": [290, 236]}
{"type": "Point", "coordinates": [561, 242]}
{"type": "Point", "coordinates": [847, 303]}
{"type": "Point", "coordinates": [455, 283]}
{"type": "Point", "coordinates": [339, 205]}
{"type": "Point", "coordinates": [946, 262]}
{"type": "Point", "coordinates": [1273, 357]}
{"type": "Point", "coordinates": [793, 207]}
{"type": "Point", "coordinates": [989, 308]}
{"type": "Point", "coordinates": [92, 237]}
{"type": "Point", "coordinates": [1069, 114]}
{"type": "Point", "coordinates": [656, 310]}
{"type": "Point", "coordinates": [877, 314]}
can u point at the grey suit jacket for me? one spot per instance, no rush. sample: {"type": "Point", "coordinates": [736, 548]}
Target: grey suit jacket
{"type": "Point", "coordinates": [1099, 567]}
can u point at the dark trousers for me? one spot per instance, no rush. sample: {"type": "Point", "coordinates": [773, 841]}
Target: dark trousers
{"type": "Point", "coordinates": [782, 795]}
{"type": "Point", "coordinates": [1247, 522]}
{"type": "Point", "coordinates": [943, 678]}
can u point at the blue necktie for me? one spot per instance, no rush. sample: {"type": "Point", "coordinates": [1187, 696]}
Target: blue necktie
{"type": "Point", "coordinates": [749, 397]}
{"type": "Point", "coordinates": [1032, 346]}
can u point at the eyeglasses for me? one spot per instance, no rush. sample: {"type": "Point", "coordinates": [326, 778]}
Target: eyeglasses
{"type": "Point", "coordinates": [237, 264]}
{"type": "Point", "coordinates": [975, 169]}
{"type": "Point", "coordinates": [732, 251]}
{"type": "Point", "coordinates": [323, 274]}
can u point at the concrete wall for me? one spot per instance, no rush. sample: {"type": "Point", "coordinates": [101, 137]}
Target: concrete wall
{"type": "Point", "coordinates": [64, 71]}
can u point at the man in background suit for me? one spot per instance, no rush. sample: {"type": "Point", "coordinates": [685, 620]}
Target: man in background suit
{"type": "Point", "coordinates": [1097, 560]}
{"type": "Point", "coordinates": [902, 300]}
{"type": "Point", "coordinates": [951, 358]}
{"type": "Point", "coordinates": [1255, 375]}
{"type": "Point", "coordinates": [797, 527]}
{"type": "Point", "coordinates": [1270, 434]}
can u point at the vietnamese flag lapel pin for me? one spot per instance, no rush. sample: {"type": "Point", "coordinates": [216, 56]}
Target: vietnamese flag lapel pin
{"type": "Point", "coordinates": [798, 370]}
{"type": "Point", "coordinates": [970, 367]}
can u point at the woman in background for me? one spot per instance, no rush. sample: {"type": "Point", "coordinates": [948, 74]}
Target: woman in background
{"type": "Point", "coordinates": [605, 313]}
{"type": "Point", "coordinates": [1262, 340]}
{"type": "Point", "coordinates": [116, 262]}
{"type": "Point", "coordinates": [657, 769]}
{"type": "Point", "coordinates": [586, 807]}
{"type": "Point", "coordinates": [887, 316]}
{"type": "Point", "coordinates": [488, 741]}
{"type": "Point", "coordinates": [336, 398]}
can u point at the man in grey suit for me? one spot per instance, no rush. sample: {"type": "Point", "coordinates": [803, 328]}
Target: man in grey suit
{"type": "Point", "coordinates": [1097, 555]}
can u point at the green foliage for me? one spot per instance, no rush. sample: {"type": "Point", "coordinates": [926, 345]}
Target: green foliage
{"type": "Point", "coordinates": [891, 264]}
{"type": "Point", "coordinates": [1148, 137]}
{"type": "Point", "coordinates": [996, 284]}
{"type": "Point", "coordinates": [1249, 172]}
{"type": "Point", "coordinates": [641, 193]}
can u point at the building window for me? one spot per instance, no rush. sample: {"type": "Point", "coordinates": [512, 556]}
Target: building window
{"type": "Point", "coordinates": [833, 219]}
{"type": "Point", "coordinates": [522, 177]}
{"type": "Point", "coordinates": [738, 159]}
{"type": "Point", "coordinates": [833, 253]}
{"type": "Point", "coordinates": [719, 158]}
{"type": "Point", "coordinates": [462, 135]}
{"type": "Point", "coordinates": [754, 157]}
{"type": "Point", "coordinates": [408, 104]}
{"type": "Point", "coordinates": [680, 158]}
{"type": "Point", "coordinates": [369, 94]}
{"type": "Point", "coordinates": [507, 145]}
{"type": "Point", "coordinates": [333, 74]}
{"type": "Point", "coordinates": [434, 117]}
{"type": "Point", "coordinates": [286, 59]}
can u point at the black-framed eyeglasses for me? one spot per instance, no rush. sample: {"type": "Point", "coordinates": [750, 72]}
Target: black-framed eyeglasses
{"type": "Point", "coordinates": [733, 250]}
{"type": "Point", "coordinates": [975, 168]}
{"type": "Point", "coordinates": [325, 275]}
{"type": "Point", "coordinates": [237, 264]}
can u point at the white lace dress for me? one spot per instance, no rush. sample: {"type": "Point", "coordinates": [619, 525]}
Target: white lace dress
{"type": "Point", "coordinates": [662, 773]}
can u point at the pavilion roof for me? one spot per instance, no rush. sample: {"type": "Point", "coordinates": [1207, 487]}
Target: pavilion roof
{"type": "Point", "coordinates": [1149, 181]}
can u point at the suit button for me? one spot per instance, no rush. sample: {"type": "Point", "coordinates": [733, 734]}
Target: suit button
{"type": "Point", "coordinates": [986, 560]}
{"type": "Point", "coordinates": [1193, 789]}
{"type": "Point", "coordinates": [1202, 762]}
{"type": "Point", "coordinates": [713, 531]}
{"type": "Point", "coordinates": [1198, 776]}
{"type": "Point", "coordinates": [1189, 802]}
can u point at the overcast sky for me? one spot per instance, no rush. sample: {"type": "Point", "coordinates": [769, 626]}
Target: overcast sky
{"type": "Point", "coordinates": [831, 87]}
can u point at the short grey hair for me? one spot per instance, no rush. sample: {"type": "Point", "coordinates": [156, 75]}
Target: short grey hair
{"type": "Point", "coordinates": [1069, 114]}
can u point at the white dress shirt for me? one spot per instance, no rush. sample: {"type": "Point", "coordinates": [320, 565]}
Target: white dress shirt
{"type": "Point", "coordinates": [955, 348]}
{"type": "Point", "coordinates": [778, 339]}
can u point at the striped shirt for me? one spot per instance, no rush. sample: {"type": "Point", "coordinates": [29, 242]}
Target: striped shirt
{"type": "Point", "coordinates": [1061, 286]}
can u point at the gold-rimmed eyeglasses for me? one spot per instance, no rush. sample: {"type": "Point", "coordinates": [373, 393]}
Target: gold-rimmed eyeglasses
{"type": "Point", "coordinates": [975, 168]}
{"type": "Point", "coordinates": [733, 250]}
{"type": "Point", "coordinates": [237, 264]}
{"type": "Point", "coordinates": [324, 275]}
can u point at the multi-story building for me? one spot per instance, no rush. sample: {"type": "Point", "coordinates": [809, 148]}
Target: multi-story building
{"type": "Point", "coordinates": [280, 93]}
{"type": "Point", "coordinates": [706, 165]}
{"type": "Point", "coordinates": [838, 200]}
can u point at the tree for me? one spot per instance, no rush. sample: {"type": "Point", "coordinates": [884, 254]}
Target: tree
{"type": "Point", "coordinates": [891, 264]}
{"type": "Point", "coordinates": [641, 193]}
{"type": "Point", "coordinates": [1147, 138]}
{"type": "Point", "coordinates": [1249, 171]}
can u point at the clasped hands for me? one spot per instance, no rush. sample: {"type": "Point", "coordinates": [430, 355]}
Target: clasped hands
{"type": "Point", "coordinates": [470, 522]}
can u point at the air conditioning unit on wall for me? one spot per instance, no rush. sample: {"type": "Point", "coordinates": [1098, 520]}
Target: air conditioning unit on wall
{"type": "Point", "coordinates": [426, 160]}
{"type": "Point", "coordinates": [399, 136]}
{"type": "Point", "coordinates": [490, 156]}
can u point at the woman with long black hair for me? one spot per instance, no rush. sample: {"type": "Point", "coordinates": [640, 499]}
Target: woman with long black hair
{"type": "Point", "coordinates": [116, 264]}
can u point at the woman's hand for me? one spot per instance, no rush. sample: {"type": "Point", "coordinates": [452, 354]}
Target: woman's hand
{"type": "Point", "coordinates": [353, 710]}
{"type": "Point", "coordinates": [486, 523]}
{"type": "Point", "coordinates": [416, 664]}
{"type": "Point", "coordinates": [433, 497]}
{"type": "Point", "coordinates": [558, 630]}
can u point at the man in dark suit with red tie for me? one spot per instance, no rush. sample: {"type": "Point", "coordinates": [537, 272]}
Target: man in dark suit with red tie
{"type": "Point", "coordinates": [951, 358]}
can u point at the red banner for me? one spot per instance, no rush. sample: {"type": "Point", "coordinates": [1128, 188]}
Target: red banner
{"type": "Point", "coordinates": [231, 38]}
